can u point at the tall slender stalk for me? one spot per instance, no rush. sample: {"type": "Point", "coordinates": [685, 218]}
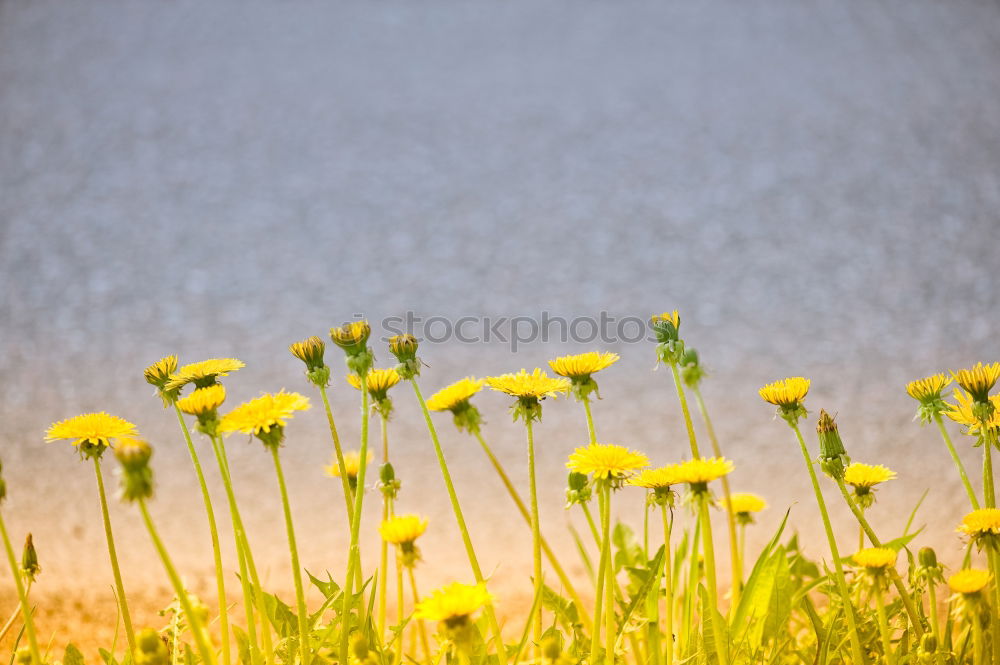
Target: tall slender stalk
{"type": "Point", "coordinates": [546, 548]}
{"type": "Point", "coordinates": [845, 594]}
{"type": "Point", "coordinates": [957, 460]}
{"type": "Point", "coordinates": [721, 646]}
{"type": "Point", "coordinates": [536, 538]}
{"type": "Point", "coordinates": [883, 625]}
{"type": "Point", "coordinates": [112, 554]}
{"type": "Point", "coordinates": [354, 551]}
{"type": "Point", "coordinates": [383, 568]}
{"type": "Point", "coordinates": [989, 491]}
{"type": "Point", "coordinates": [220, 584]}
{"type": "Point", "coordinates": [421, 628]}
{"type": "Point", "coordinates": [22, 595]}
{"type": "Point", "coordinates": [300, 599]}
{"type": "Point", "coordinates": [338, 453]}
{"type": "Point", "coordinates": [668, 585]}
{"type": "Point", "coordinates": [734, 554]}
{"type": "Point", "coordinates": [595, 636]}
{"type": "Point", "coordinates": [456, 507]}
{"type": "Point", "coordinates": [977, 639]}
{"type": "Point", "coordinates": [688, 424]}
{"type": "Point", "coordinates": [194, 621]}
{"type": "Point", "coordinates": [591, 432]}
{"type": "Point", "coordinates": [609, 598]}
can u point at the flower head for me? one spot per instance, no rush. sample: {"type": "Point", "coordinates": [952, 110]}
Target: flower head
{"type": "Point", "coordinates": [203, 401]}
{"type": "Point", "coordinates": [969, 581]}
{"type": "Point", "coordinates": [788, 395]}
{"type": "Point", "coordinates": [378, 382]}
{"type": "Point", "coordinates": [653, 479]}
{"type": "Point", "coordinates": [699, 472]}
{"type": "Point", "coordinates": [403, 531]}
{"type": "Point", "coordinates": [927, 389]}
{"type": "Point", "coordinates": [863, 477]}
{"type": "Point", "coordinates": [982, 525]}
{"type": "Point", "coordinates": [965, 412]}
{"type": "Point", "coordinates": [203, 373]}
{"type": "Point", "coordinates": [265, 417]}
{"type": "Point", "coordinates": [606, 461]}
{"type": "Point", "coordinates": [579, 367]}
{"type": "Point", "coordinates": [456, 396]}
{"type": "Point", "coordinates": [310, 351]}
{"type": "Point", "coordinates": [136, 477]}
{"type": "Point", "coordinates": [744, 504]}
{"type": "Point", "coordinates": [29, 560]}
{"type": "Point", "coordinates": [453, 604]}
{"type": "Point", "coordinates": [875, 558]}
{"type": "Point", "coordinates": [666, 328]}
{"type": "Point", "coordinates": [351, 336]}
{"type": "Point", "coordinates": [158, 374]}
{"type": "Point", "coordinates": [91, 432]}
{"type": "Point", "coordinates": [978, 380]}
{"type": "Point", "coordinates": [529, 389]}
{"type": "Point", "coordinates": [352, 465]}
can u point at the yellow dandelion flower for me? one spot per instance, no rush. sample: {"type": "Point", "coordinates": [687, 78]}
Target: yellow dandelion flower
{"type": "Point", "coordinates": [159, 372]}
{"type": "Point", "coordinates": [524, 385]}
{"type": "Point", "coordinates": [310, 351]}
{"type": "Point", "coordinates": [978, 380]}
{"type": "Point", "coordinates": [963, 412]}
{"type": "Point", "coordinates": [454, 603]}
{"type": "Point", "coordinates": [672, 318]}
{"type": "Point", "coordinates": [263, 413]}
{"type": "Point", "coordinates": [867, 476]}
{"type": "Point", "coordinates": [378, 381]}
{"type": "Point", "coordinates": [874, 558]}
{"type": "Point", "coordinates": [352, 335]}
{"type": "Point", "coordinates": [744, 503]}
{"type": "Point", "coordinates": [203, 373]}
{"type": "Point", "coordinates": [927, 389]}
{"type": "Point", "coordinates": [606, 461]}
{"type": "Point", "coordinates": [93, 429]}
{"type": "Point", "coordinates": [203, 401]}
{"type": "Point", "coordinates": [352, 464]}
{"type": "Point", "coordinates": [786, 393]}
{"type": "Point", "coordinates": [969, 581]}
{"type": "Point", "coordinates": [700, 472]}
{"type": "Point", "coordinates": [402, 529]}
{"type": "Point", "coordinates": [980, 523]}
{"type": "Point", "coordinates": [455, 396]}
{"type": "Point", "coordinates": [653, 479]}
{"type": "Point", "coordinates": [580, 366]}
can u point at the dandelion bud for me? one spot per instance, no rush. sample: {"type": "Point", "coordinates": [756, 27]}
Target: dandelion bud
{"type": "Point", "coordinates": [3, 485]}
{"type": "Point", "coordinates": [23, 656]}
{"type": "Point", "coordinates": [310, 351]}
{"type": "Point", "coordinates": [928, 643]}
{"type": "Point", "coordinates": [927, 557]}
{"type": "Point", "coordinates": [152, 649]}
{"type": "Point", "coordinates": [831, 448]}
{"type": "Point", "coordinates": [387, 481]}
{"type": "Point", "coordinates": [551, 648]}
{"type": "Point", "coordinates": [159, 374]}
{"type": "Point", "coordinates": [136, 476]}
{"type": "Point", "coordinates": [29, 560]}
{"type": "Point", "coordinates": [666, 326]}
{"type": "Point", "coordinates": [577, 488]}
{"type": "Point", "coordinates": [359, 646]}
{"type": "Point", "coordinates": [691, 369]}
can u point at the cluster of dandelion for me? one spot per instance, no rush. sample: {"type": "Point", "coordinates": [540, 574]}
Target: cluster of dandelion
{"type": "Point", "coordinates": [658, 600]}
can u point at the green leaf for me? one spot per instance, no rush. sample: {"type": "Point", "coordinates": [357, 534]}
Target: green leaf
{"type": "Point", "coordinates": [750, 597]}
{"type": "Point", "coordinates": [72, 655]}
{"type": "Point", "coordinates": [328, 588]}
{"type": "Point", "coordinates": [280, 615]}
{"type": "Point", "coordinates": [242, 645]}
{"type": "Point", "coordinates": [719, 623]}
{"type": "Point", "coordinates": [780, 606]}
{"type": "Point", "coordinates": [641, 593]}
{"type": "Point", "coordinates": [565, 610]}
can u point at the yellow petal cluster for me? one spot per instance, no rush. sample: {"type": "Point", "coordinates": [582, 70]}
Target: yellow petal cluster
{"type": "Point", "coordinates": [160, 372]}
{"type": "Point", "coordinates": [533, 385]}
{"type": "Point", "coordinates": [927, 388]}
{"type": "Point", "coordinates": [402, 529]}
{"type": "Point", "coordinates": [978, 380]}
{"type": "Point", "coordinates": [351, 334]}
{"type": "Point", "coordinates": [205, 370]}
{"type": "Point", "coordinates": [97, 429]}
{"type": "Point", "coordinates": [582, 365]}
{"type": "Point", "coordinates": [653, 479]}
{"type": "Point", "coordinates": [866, 476]}
{"type": "Point", "coordinates": [744, 502]}
{"type": "Point", "coordinates": [982, 522]}
{"type": "Point", "coordinates": [786, 392]}
{"type": "Point", "coordinates": [203, 400]}
{"type": "Point", "coordinates": [963, 413]}
{"type": "Point", "coordinates": [455, 601]}
{"type": "Point", "coordinates": [456, 395]}
{"type": "Point", "coordinates": [875, 558]}
{"type": "Point", "coordinates": [378, 381]}
{"type": "Point", "coordinates": [700, 471]}
{"type": "Point", "coordinates": [969, 581]}
{"type": "Point", "coordinates": [673, 317]}
{"type": "Point", "coordinates": [606, 460]}
{"type": "Point", "coordinates": [352, 464]}
{"type": "Point", "coordinates": [264, 412]}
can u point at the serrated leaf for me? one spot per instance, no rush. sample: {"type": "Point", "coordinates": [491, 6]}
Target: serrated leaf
{"type": "Point", "coordinates": [328, 588]}
{"type": "Point", "coordinates": [72, 655]}
{"type": "Point", "coordinates": [641, 593]}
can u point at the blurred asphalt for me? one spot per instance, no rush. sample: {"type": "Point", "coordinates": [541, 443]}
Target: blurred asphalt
{"type": "Point", "coordinates": [815, 185]}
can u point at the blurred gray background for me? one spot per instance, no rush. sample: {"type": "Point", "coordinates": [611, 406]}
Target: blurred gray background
{"type": "Point", "coordinates": [814, 185]}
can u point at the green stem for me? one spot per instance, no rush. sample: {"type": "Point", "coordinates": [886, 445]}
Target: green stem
{"type": "Point", "coordinates": [354, 550]}
{"type": "Point", "coordinates": [220, 584]}
{"type": "Point", "coordinates": [119, 587]}
{"type": "Point", "coordinates": [989, 492]}
{"type": "Point", "coordinates": [460, 519]}
{"type": "Point", "coordinates": [22, 596]}
{"type": "Point", "coordinates": [609, 574]}
{"type": "Point", "coordinates": [958, 462]}
{"type": "Point", "coordinates": [194, 621]}
{"type": "Point", "coordinates": [536, 538]}
{"type": "Point", "coordinates": [721, 647]}
{"type": "Point", "coordinates": [595, 636]}
{"type": "Point", "coordinates": [688, 424]}
{"type": "Point", "coordinates": [734, 555]}
{"type": "Point", "coordinates": [383, 569]}
{"type": "Point", "coordinates": [883, 625]}
{"type": "Point", "coordinates": [400, 611]}
{"type": "Point", "coordinates": [421, 628]}
{"type": "Point", "coordinates": [977, 638]}
{"type": "Point", "coordinates": [668, 584]}
{"type": "Point", "coordinates": [845, 594]}
{"type": "Point", "coordinates": [935, 621]}
{"type": "Point", "coordinates": [300, 599]}
{"type": "Point", "coordinates": [546, 549]}
{"type": "Point", "coordinates": [591, 432]}
{"type": "Point", "coordinates": [694, 575]}
{"type": "Point", "coordinates": [994, 564]}
{"type": "Point", "coordinates": [339, 453]}
{"type": "Point", "coordinates": [911, 610]}
{"type": "Point", "coordinates": [253, 595]}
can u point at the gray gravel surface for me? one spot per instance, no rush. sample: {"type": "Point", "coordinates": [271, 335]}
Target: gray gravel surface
{"type": "Point", "coordinates": [815, 185]}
